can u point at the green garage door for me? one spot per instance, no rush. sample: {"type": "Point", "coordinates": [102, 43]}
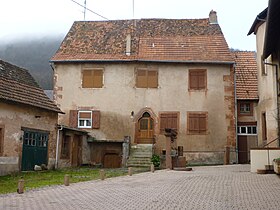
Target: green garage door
{"type": "Point", "coordinates": [34, 150]}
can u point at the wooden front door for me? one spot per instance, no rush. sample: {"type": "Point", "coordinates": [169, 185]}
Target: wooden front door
{"type": "Point", "coordinates": [243, 150]}
{"type": "Point", "coordinates": [145, 129]}
{"type": "Point", "coordinates": [76, 159]}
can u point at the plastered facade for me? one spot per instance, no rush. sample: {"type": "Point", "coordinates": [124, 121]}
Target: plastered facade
{"type": "Point", "coordinates": [15, 117]}
{"type": "Point", "coordinates": [119, 97]}
{"type": "Point", "coordinates": [267, 93]}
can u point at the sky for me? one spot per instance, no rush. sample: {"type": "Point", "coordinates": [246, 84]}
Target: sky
{"type": "Point", "coordinates": [20, 19]}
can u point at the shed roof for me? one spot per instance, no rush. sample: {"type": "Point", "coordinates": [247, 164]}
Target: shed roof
{"type": "Point", "coordinates": [155, 40]}
{"type": "Point", "coordinates": [18, 86]}
{"type": "Point", "coordinates": [246, 75]}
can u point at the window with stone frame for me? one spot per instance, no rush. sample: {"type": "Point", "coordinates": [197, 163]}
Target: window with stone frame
{"type": "Point", "coordinates": [197, 123]}
{"type": "Point", "coordinates": [65, 147]}
{"type": "Point", "coordinates": [197, 79]}
{"type": "Point", "coordinates": [92, 77]}
{"type": "Point", "coordinates": [169, 120]}
{"type": "Point", "coordinates": [146, 78]}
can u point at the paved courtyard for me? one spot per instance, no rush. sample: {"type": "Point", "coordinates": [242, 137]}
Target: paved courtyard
{"type": "Point", "coordinates": [214, 187]}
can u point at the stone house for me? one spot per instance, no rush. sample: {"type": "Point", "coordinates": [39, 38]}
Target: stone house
{"type": "Point", "coordinates": [137, 77]}
{"type": "Point", "coordinates": [28, 121]}
{"type": "Point", "coordinates": [247, 101]}
{"type": "Point", "coordinates": [267, 30]}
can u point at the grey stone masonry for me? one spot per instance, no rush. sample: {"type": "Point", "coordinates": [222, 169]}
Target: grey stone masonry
{"type": "Point", "coordinates": [212, 187]}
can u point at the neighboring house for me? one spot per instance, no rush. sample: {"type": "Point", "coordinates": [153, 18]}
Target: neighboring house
{"type": "Point", "coordinates": [137, 77]}
{"type": "Point", "coordinates": [28, 121]}
{"type": "Point", "coordinates": [266, 27]}
{"type": "Point", "coordinates": [247, 101]}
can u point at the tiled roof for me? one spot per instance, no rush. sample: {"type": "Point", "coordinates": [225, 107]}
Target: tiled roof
{"type": "Point", "coordinates": [246, 75]}
{"type": "Point", "coordinates": [163, 40]}
{"type": "Point", "coordinates": [18, 86]}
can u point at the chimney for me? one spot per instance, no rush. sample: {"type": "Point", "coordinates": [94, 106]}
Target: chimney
{"type": "Point", "coordinates": [213, 17]}
{"type": "Point", "coordinates": [128, 45]}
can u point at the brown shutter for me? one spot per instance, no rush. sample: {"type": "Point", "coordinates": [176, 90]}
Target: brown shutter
{"type": "Point", "coordinates": [163, 122]}
{"type": "Point", "coordinates": [98, 79]}
{"type": "Point", "coordinates": [201, 80]}
{"type": "Point", "coordinates": [73, 118]}
{"type": "Point", "coordinates": [193, 81]}
{"type": "Point", "coordinates": [95, 119]}
{"type": "Point", "coordinates": [141, 80]}
{"type": "Point", "coordinates": [87, 79]}
{"type": "Point", "coordinates": [202, 123]}
{"type": "Point", "coordinates": [152, 79]}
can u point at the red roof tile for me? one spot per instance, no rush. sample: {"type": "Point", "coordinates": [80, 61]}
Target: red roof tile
{"type": "Point", "coordinates": [151, 39]}
{"type": "Point", "coordinates": [246, 75]}
{"type": "Point", "coordinates": [18, 86]}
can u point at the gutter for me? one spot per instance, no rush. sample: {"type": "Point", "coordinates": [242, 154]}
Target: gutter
{"type": "Point", "coordinates": [57, 146]}
{"type": "Point", "coordinates": [139, 60]}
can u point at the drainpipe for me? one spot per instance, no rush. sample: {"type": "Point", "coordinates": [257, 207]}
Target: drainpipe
{"type": "Point", "coordinates": [235, 113]}
{"type": "Point", "coordinates": [57, 146]}
{"type": "Point", "coordinates": [277, 97]}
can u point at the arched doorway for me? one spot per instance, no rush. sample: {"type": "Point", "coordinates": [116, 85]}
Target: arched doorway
{"type": "Point", "coordinates": [145, 129]}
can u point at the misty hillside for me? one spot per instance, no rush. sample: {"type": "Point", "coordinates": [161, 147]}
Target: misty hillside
{"type": "Point", "coordinates": [33, 55]}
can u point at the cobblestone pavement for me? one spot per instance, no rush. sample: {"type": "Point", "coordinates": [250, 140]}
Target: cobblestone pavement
{"type": "Point", "coordinates": [213, 187]}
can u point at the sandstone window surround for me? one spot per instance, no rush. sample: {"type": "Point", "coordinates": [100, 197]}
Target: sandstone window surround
{"type": "Point", "coordinates": [146, 78]}
{"type": "Point", "coordinates": [169, 120]}
{"type": "Point", "coordinates": [88, 119]}
{"type": "Point", "coordinates": [197, 123]}
{"type": "Point", "coordinates": [197, 79]}
{"type": "Point", "coordinates": [92, 77]}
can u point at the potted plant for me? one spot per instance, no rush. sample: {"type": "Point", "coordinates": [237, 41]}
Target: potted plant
{"type": "Point", "coordinates": [276, 165]}
{"type": "Point", "coordinates": [156, 160]}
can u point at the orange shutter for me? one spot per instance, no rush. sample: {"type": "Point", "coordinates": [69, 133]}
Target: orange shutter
{"type": "Point", "coordinates": [73, 118]}
{"type": "Point", "coordinates": [95, 119]}
{"type": "Point", "coordinates": [87, 79]}
{"type": "Point", "coordinates": [98, 79]}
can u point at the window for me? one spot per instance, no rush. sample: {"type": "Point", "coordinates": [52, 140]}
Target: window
{"type": "Point", "coordinates": [169, 120]}
{"type": "Point", "coordinates": [247, 130]}
{"type": "Point", "coordinates": [245, 108]}
{"type": "Point", "coordinates": [146, 78]}
{"type": "Point", "coordinates": [65, 147]}
{"type": "Point", "coordinates": [35, 138]}
{"type": "Point", "coordinates": [92, 78]}
{"type": "Point", "coordinates": [264, 131]}
{"type": "Point", "coordinates": [197, 123]}
{"type": "Point", "coordinates": [197, 79]}
{"type": "Point", "coordinates": [85, 119]}
{"type": "Point", "coordinates": [263, 67]}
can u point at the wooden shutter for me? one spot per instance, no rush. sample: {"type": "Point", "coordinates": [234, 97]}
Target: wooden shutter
{"type": "Point", "coordinates": [141, 80]}
{"type": "Point", "coordinates": [73, 118]}
{"type": "Point", "coordinates": [193, 80]}
{"type": "Point", "coordinates": [98, 79]}
{"type": "Point", "coordinates": [152, 79]}
{"type": "Point", "coordinates": [201, 80]}
{"type": "Point", "coordinates": [95, 119]}
{"type": "Point", "coordinates": [168, 120]}
{"type": "Point", "coordinates": [87, 79]}
{"type": "Point", "coordinates": [202, 123]}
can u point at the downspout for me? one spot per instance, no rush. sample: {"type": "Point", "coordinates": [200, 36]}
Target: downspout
{"type": "Point", "coordinates": [277, 97]}
{"type": "Point", "coordinates": [235, 113]}
{"type": "Point", "coordinates": [57, 145]}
